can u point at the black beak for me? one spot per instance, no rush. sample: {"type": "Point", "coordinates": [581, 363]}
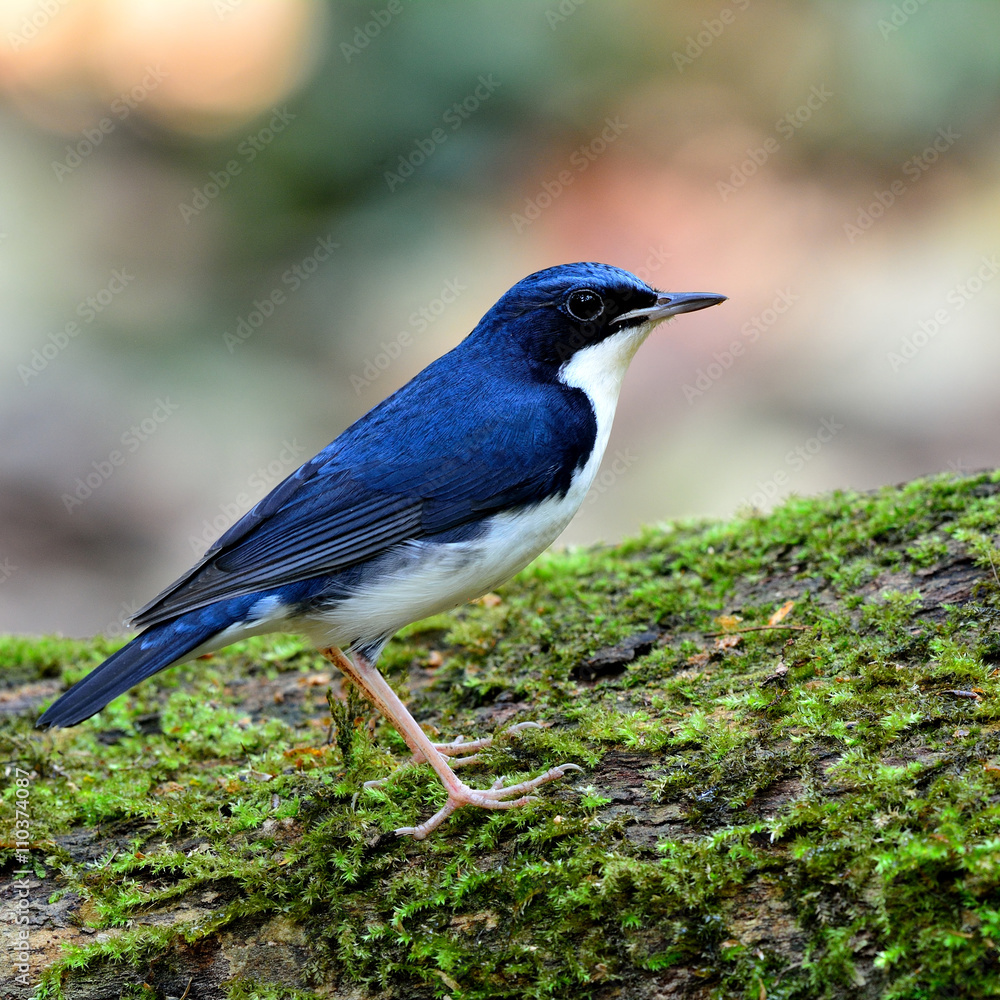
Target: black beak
{"type": "Point", "coordinates": [673, 304]}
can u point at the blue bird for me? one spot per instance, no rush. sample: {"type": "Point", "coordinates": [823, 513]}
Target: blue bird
{"type": "Point", "coordinates": [435, 497]}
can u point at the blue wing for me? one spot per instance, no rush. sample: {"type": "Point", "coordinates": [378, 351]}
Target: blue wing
{"type": "Point", "coordinates": [445, 451]}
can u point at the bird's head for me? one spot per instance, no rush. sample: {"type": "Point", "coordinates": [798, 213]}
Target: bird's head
{"type": "Point", "coordinates": [603, 311]}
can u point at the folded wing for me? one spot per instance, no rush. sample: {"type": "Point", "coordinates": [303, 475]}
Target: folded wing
{"type": "Point", "coordinates": [394, 476]}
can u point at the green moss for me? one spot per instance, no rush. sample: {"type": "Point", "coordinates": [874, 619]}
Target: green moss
{"type": "Point", "coordinates": [846, 770]}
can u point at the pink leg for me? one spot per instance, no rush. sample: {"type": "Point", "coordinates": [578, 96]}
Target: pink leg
{"type": "Point", "coordinates": [381, 695]}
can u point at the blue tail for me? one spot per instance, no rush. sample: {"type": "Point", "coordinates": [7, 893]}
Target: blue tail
{"type": "Point", "coordinates": [170, 642]}
{"type": "Point", "coordinates": [154, 650]}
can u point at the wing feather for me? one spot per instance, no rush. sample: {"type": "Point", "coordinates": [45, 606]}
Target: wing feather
{"type": "Point", "coordinates": [394, 476]}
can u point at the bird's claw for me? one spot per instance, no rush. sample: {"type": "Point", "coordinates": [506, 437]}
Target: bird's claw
{"type": "Point", "coordinates": [455, 748]}
{"type": "Point", "coordinates": [459, 745]}
{"type": "Point", "coordinates": [497, 796]}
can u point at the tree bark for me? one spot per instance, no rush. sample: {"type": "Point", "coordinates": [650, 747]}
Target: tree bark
{"type": "Point", "coordinates": [779, 801]}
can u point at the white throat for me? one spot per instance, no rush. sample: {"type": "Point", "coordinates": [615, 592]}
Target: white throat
{"type": "Point", "coordinates": [599, 371]}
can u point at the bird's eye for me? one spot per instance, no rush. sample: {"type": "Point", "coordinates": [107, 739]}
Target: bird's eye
{"type": "Point", "coordinates": [584, 305]}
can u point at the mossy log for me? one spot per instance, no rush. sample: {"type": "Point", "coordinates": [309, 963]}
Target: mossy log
{"type": "Point", "coordinates": [788, 725]}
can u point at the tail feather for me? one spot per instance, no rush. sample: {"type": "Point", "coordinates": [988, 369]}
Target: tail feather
{"type": "Point", "coordinates": [154, 650]}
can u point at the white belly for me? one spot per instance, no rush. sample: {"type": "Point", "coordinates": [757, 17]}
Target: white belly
{"type": "Point", "coordinates": [424, 578]}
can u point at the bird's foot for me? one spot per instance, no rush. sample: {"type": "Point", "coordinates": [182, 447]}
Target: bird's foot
{"type": "Point", "coordinates": [456, 751]}
{"type": "Point", "coordinates": [440, 757]}
{"type": "Point", "coordinates": [498, 796]}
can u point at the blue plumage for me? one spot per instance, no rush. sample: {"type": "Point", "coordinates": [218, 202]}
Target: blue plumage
{"type": "Point", "coordinates": [407, 469]}
{"type": "Point", "coordinates": [438, 494]}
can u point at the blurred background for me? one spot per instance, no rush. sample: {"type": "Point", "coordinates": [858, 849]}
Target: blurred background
{"type": "Point", "coordinates": [230, 227]}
